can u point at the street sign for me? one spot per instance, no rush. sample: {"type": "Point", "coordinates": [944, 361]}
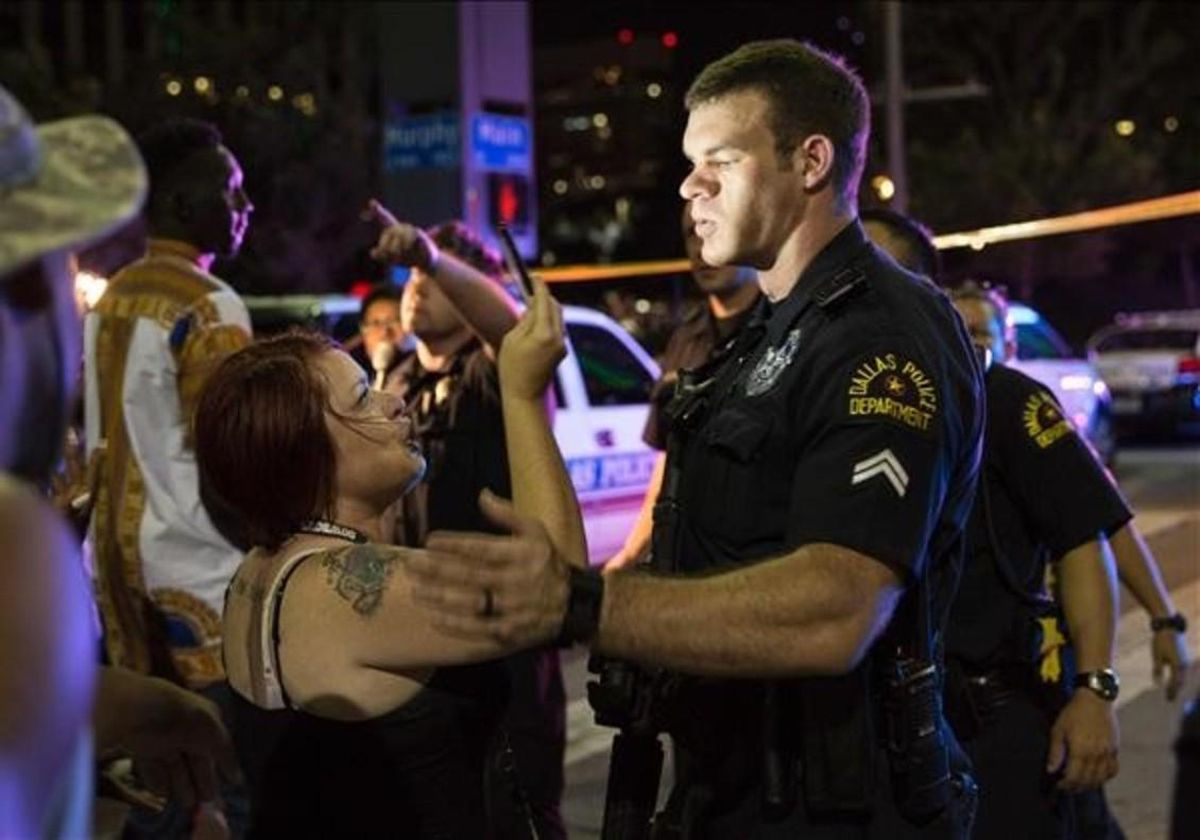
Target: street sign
{"type": "Point", "coordinates": [501, 143]}
{"type": "Point", "coordinates": [429, 141]}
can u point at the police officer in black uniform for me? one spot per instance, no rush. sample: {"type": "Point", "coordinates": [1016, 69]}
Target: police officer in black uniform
{"type": "Point", "coordinates": [1036, 727]}
{"type": "Point", "coordinates": [827, 471]}
{"type": "Point", "coordinates": [1007, 643]}
{"type": "Point", "coordinates": [730, 295]}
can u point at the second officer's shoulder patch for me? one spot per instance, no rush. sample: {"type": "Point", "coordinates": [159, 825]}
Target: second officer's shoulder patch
{"type": "Point", "coordinates": [1043, 420]}
{"type": "Point", "coordinates": [893, 386]}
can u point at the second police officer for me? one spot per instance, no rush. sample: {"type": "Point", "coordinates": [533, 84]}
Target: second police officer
{"type": "Point", "coordinates": [1032, 707]}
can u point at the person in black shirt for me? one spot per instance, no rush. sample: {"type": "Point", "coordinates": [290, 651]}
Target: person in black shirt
{"type": "Point", "coordinates": [730, 295]}
{"type": "Point", "coordinates": [827, 473]}
{"type": "Point", "coordinates": [352, 715]}
{"type": "Point", "coordinates": [459, 313]}
{"type": "Point", "coordinates": [1043, 497]}
{"type": "Point", "coordinates": [1002, 623]}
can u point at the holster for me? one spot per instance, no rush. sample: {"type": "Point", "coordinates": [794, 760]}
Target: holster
{"type": "Point", "coordinates": [838, 743]}
{"type": "Point", "coordinates": [972, 696]}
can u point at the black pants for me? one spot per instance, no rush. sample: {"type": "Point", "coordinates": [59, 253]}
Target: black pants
{"type": "Point", "coordinates": [535, 726]}
{"type": "Point", "coordinates": [1016, 796]}
{"type": "Point", "coordinates": [1008, 751]}
{"type": "Point", "coordinates": [1185, 811]}
{"type": "Point", "coordinates": [746, 819]}
{"type": "Point", "coordinates": [1094, 820]}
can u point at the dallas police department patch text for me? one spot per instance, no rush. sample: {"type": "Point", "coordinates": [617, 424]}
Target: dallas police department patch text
{"type": "Point", "coordinates": [1044, 423]}
{"type": "Point", "coordinates": [894, 387]}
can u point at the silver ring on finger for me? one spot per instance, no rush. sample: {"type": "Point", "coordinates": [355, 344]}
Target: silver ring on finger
{"type": "Point", "coordinates": [488, 610]}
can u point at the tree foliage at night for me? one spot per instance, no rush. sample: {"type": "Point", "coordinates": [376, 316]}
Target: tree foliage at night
{"type": "Point", "coordinates": [1044, 140]}
{"type": "Point", "coordinates": [309, 152]}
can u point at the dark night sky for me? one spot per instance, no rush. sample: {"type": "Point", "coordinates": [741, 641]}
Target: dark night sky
{"type": "Point", "coordinates": [706, 29]}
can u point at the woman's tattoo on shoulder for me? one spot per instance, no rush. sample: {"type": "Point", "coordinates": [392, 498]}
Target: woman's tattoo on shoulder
{"type": "Point", "coordinates": [359, 574]}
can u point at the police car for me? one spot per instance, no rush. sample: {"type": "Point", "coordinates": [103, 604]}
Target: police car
{"type": "Point", "coordinates": [602, 389]}
{"type": "Point", "coordinates": [1080, 389]}
{"type": "Point", "coordinates": [1151, 361]}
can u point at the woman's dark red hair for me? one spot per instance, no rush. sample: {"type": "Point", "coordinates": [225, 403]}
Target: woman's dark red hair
{"type": "Point", "coordinates": [265, 457]}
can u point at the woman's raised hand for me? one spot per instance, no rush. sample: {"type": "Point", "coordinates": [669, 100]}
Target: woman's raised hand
{"type": "Point", "coordinates": [533, 348]}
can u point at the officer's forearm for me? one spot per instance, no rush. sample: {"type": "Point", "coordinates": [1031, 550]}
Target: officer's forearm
{"type": "Point", "coordinates": [814, 611]}
{"type": "Point", "coordinates": [1138, 571]}
{"type": "Point", "coordinates": [1089, 594]}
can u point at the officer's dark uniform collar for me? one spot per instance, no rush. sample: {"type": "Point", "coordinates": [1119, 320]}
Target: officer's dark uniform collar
{"type": "Point", "coordinates": [830, 277]}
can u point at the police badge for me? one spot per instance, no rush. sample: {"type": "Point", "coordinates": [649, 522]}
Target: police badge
{"type": "Point", "coordinates": [771, 365]}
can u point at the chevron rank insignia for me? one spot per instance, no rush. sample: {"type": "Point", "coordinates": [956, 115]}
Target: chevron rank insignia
{"type": "Point", "coordinates": [885, 464]}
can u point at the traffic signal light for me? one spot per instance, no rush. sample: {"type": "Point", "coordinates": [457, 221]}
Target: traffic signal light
{"type": "Point", "coordinates": [508, 199]}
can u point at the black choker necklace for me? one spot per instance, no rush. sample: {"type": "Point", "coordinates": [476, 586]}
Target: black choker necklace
{"type": "Point", "coordinates": [325, 528]}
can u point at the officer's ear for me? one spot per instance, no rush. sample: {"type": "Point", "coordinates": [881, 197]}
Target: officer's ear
{"type": "Point", "coordinates": [813, 157]}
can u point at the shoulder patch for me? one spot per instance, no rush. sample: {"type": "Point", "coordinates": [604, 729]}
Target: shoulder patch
{"type": "Point", "coordinates": [894, 387]}
{"type": "Point", "coordinates": [1043, 420]}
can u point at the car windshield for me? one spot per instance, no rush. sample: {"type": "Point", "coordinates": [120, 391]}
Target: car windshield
{"type": "Point", "coordinates": [1038, 340]}
{"type": "Point", "coordinates": [611, 374]}
{"type": "Point", "coordinates": [1158, 339]}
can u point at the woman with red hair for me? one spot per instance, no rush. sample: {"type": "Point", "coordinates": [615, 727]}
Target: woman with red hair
{"type": "Point", "coordinates": [354, 715]}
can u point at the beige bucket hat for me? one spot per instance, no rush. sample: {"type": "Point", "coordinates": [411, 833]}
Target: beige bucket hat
{"type": "Point", "coordinates": [63, 184]}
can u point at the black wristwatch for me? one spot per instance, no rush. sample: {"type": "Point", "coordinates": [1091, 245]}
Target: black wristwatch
{"type": "Point", "coordinates": [1174, 622]}
{"type": "Point", "coordinates": [582, 619]}
{"type": "Point", "coordinates": [1103, 682]}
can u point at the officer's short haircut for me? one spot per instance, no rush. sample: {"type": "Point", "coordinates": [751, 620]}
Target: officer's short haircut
{"type": "Point", "coordinates": [994, 296]}
{"type": "Point", "coordinates": [169, 149]}
{"type": "Point", "coordinates": [809, 91]}
{"type": "Point", "coordinates": [462, 242]}
{"type": "Point", "coordinates": [920, 254]}
{"type": "Point", "coordinates": [380, 291]}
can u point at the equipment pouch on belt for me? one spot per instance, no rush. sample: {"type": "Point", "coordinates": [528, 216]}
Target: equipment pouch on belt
{"type": "Point", "coordinates": [838, 744]}
{"type": "Point", "coordinates": [915, 739]}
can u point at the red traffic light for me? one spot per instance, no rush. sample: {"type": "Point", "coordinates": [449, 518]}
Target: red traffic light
{"type": "Point", "coordinates": [508, 203]}
{"type": "Point", "coordinates": [508, 199]}
{"type": "Point", "coordinates": [625, 37]}
{"type": "Point", "coordinates": [670, 40]}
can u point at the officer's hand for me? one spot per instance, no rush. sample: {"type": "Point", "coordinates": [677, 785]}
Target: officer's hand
{"type": "Point", "coordinates": [511, 589]}
{"type": "Point", "coordinates": [1084, 739]}
{"type": "Point", "coordinates": [174, 736]}
{"type": "Point", "coordinates": [1170, 652]}
{"type": "Point", "coordinates": [399, 242]}
{"type": "Point", "coordinates": [533, 348]}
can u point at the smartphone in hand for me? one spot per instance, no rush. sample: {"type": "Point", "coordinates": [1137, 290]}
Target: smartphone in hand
{"type": "Point", "coordinates": [516, 266]}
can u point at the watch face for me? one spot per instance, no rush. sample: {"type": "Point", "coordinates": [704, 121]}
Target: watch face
{"type": "Point", "coordinates": [1104, 683]}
